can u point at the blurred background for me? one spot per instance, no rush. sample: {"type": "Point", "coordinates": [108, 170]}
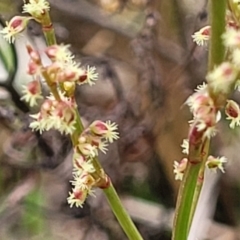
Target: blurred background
{"type": "Point", "coordinates": [147, 67]}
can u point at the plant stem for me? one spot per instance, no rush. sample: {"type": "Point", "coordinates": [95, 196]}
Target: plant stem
{"type": "Point", "coordinates": [48, 29]}
{"type": "Point", "coordinates": [79, 128]}
{"type": "Point", "coordinates": [200, 179]}
{"type": "Point", "coordinates": [110, 193]}
{"type": "Point", "coordinates": [121, 214]}
{"type": "Point", "coordinates": [217, 10]}
{"type": "Point", "coordinates": [191, 185]}
{"type": "Point", "coordinates": [184, 202]}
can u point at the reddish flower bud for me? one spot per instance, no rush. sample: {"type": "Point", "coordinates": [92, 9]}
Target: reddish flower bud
{"type": "Point", "coordinates": [34, 55]}
{"type": "Point", "coordinates": [99, 128]}
{"type": "Point", "coordinates": [233, 113]}
{"type": "Point", "coordinates": [16, 25]}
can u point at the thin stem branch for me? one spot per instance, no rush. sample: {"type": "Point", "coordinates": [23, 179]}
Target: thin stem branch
{"type": "Point", "coordinates": [121, 214]}
{"type": "Point", "coordinates": [216, 52]}
{"type": "Point", "coordinates": [48, 30]}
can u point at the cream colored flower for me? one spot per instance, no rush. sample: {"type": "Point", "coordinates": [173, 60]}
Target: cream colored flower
{"type": "Point", "coordinates": [36, 7]}
{"type": "Point", "coordinates": [16, 25]}
{"type": "Point", "coordinates": [202, 36]}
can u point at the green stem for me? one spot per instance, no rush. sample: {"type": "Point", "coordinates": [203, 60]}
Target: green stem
{"type": "Point", "coordinates": [48, 29]}
{"type": "Point", "coordinates": [79, 128]}
{"type": "Point", "coordinates": [121, 214]}
{"type": "Point", "coordinates": [184, 202]}
{"type": "Point", "coordinates": [199, 181]}
{"type": "Point", "coordinates": [191, 185]}
{"type": "Point", "coordinates": [52, 86]}
{"type": "Point", "coordinates": [217, 9]}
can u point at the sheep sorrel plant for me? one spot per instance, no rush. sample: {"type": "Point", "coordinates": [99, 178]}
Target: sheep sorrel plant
{"type": "Point", "coordinates": [59, 109]}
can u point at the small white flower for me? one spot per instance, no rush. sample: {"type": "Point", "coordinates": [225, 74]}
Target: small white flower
{"type": "Point", "coordinates": [231, 38]}
{"type": "Point", "coordinates": [103, 146]}
{"type": "Point", "coordinates": [41, 123]}
{"type": "Point", "coordinates": [16, 25]}
{"type": "Point", "coordinates": [185, 146]}
{"type": "Point", "coordinates": [201, 88]}
{"type": "Point", "coordinates": [60, 53]}
{"type": "Point", "coordinates": [200, 104]}
{"type": "Point", "coordinates": [32, 93]}
{"type": "Point", "coordinates": [106, 130]}
{"type": "Point", "coordinates": [222, 77]}
{"type": "Point", "coordinates": [87, 149]}
{"type": "Point", "coordinates": [92, 75]}
{"type": "Point", "coordinates": [202, 36]}
{"type": "Point", "coordinates": [232, 111]}
{"type": "Point", "coordinates": [210, 132]}
{"type": "Point", "coordinates": [179, 168]}
{"type": "Point", "coordinates": [36, 7]}
{"type": "Point", "coordinates": [64, 127]}
{"type": "Point", "coordinates": [82, 164]}
{"type": "Point", "coordinates": [82, 180]}
{"type": "Point", "coordinates": [77, 197]}
{"type": "Point", "coordinates": [112, 133]}
{"type": "Point", "coordinates": [214, 163]}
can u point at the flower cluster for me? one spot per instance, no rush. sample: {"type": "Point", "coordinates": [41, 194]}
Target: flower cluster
{"type": "Point", "coordinates": [205, 103]}
{"type": "Point", "coordinates": [59, 110]}
{"type": "Point", "coordinates": [63, 73]}
{"type": "Point", "coordinates": [65, 70]}
{"type": "Point", "coordinates": [205, 114]}
{"type": "Point", "coordinates": [212, 163]}
{"type": "Point", "coordinates": [36, 8]}
{"type": "Point", "coordinates": [224, 77]}
{"type": "Point", "coordinates": [96, 137]}
{"type": "Point", "coordinates": [59, 115]}
{"type": "Point", "coordinates": [85, 174]}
